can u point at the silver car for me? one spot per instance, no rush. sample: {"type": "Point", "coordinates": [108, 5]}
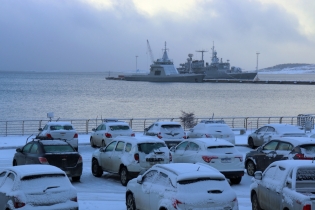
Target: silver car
{"type": "Point", "coordinates": [128, 156]}
{"type": "Point", "coordinates": [266, 133]}
{"type": "Point", "coordinates": [36, 187]}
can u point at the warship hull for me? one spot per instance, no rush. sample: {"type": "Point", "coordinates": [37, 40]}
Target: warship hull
{"type": "Point", "coordinates": [191, 78]}
{"type": "Point", "coordinates": [216, 74]}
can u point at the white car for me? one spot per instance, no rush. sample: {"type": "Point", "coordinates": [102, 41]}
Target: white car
{"type": "Point", "coordinates": [210, 129]}
{"type": "Point", "coordinates": [180, 186]}
{"type": "Point", "coordinates": [36, 187]}
{"type": "Point", "coordinates": [285, 184]}
{"type": "Point", "coordinates": [109, 129]}
{"type": "Point", "coordinates": [171, 132]}
{"type": "Point", "coordinates": [59, 130]}
{"type": "Point", "coordinates": [265, 133]}
{"type": "Point", "coordinates": [128, 156]}
{"type": "Point", "coordinates": [217, 153]}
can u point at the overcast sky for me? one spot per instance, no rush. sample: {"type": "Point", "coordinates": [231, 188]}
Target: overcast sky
{"type": "Point", "coordinates": [107, 35]}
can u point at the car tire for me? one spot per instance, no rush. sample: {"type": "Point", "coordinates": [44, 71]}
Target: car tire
{"type": "Point", "coordinates": [250, 143]}
{"type": "Point", "coordinates": [130, 202]}
{"type": "Point", "coordinates": [14, 163]}
{"type": "Point", "coordinates": [124, 176]}
{"type": "Point", "coordinates": [96, 169]}
{"type": "Point", "coordinates": [76, 178]}
{"type": "Point", "coordinates": [236, 180]}
{"type": "Point", "coordinates": [250, 168]}
{"type": "Point", "coordinates": [255, 202]}
{"type": "Point", "coordinates": [92, 142]}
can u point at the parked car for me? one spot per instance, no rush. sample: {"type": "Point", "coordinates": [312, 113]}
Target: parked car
{"type": "Point", "coordinates": [269, 131]}
{"type": "Point", "coordinates": [210, 129]}
{"type": "Point", "coordinates": [217, 153]}
{"type": "Point", "coordinates": [171, 132]}
{"type": "Point", "coordinates": [59, 130]}
{"type": "Point", "coordinates": [128, 156]}
{"type": "Point", "coordinates": [36, 187]}
{"type": "Point", "coordinates": [107, 130]}
{"type": "Point", "coordinates": [58, 153]}
{"type": "Point", "coordinates": [281, 148]}
{"type": "Point", "coordinates": [284, 185]}
{"type": "Point", "coordinates": [180, 186]}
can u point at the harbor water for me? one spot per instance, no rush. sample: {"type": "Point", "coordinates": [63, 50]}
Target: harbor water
{"type": "Point", "coordinates": [31, 95]}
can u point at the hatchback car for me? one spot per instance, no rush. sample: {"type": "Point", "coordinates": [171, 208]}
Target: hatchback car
{"type": "Point", "coordinates": [282, 148]}
{"type": "Point", "coordinates": [171, 132]}
{"type": "Point", "coordinates": [59, 130]}
{"type": "Point", "coordinates": [269, 131]}
{"type": "Point", "coordinates": [36, 187]}
{"type": "Point", "coordinates": [211, 129]}
{"type": "Point", "coordinates": [109, 129]}
{"type": "Point", "coordinates": [128, 156]}
{"type": "Point", "coordinates": [180, 186]}
{"type": "Point", "coordinates": [217, 153]}
{"type": "Point", "coordinates": [50, 152]}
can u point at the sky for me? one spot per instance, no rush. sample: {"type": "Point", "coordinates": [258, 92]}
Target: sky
{"type": "Point", "coordinates": [111, 35]}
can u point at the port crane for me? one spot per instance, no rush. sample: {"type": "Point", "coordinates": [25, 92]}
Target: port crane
{"type": "Point", "coordinates": [150, 51]}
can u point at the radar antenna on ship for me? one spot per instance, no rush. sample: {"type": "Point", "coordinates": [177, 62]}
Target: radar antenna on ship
{"type": "Point", "coordinates": [202, 51]}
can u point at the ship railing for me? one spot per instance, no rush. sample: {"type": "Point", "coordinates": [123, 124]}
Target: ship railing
{"type": "Point", "coordinates": [85, 126]}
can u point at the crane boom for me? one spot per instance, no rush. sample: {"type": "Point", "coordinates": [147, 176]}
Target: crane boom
{"type": "Point", "coordinates": [150, 51]}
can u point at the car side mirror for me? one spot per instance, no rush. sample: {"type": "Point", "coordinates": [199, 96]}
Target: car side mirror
{"type": "Point", "coordinates": [172, 149]}
{"type": "Point", "coordinates": [139, 179]}
{"type": "Point", "coordinates": [40, 129]}
{"type": "Point", "coordinates": [18, 150]}
{"type": "Point", "coordinates": [258, 175]}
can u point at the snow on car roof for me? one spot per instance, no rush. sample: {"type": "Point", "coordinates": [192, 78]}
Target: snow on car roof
{"type": "Point", "coordinates": [286, 128]}
{"type": "Point", "coordinates": [139, 139]}
{"type": "Point", "coordinates": [167, 123]}
{"type": "Point", "coordinates": [115, 123]}
{"type": "Point", "coordinates": [296, 140]}
{"type": "Point", "coordinates": [212, 141]}
{"type": "Point", "coordinates": [27, 170]}
{"type": "Point", "coordinates": [294, 163]}
{"type": "Point", "coordinates": [59, 123]}
{"type": "Point", "coordinates": [53, 142]}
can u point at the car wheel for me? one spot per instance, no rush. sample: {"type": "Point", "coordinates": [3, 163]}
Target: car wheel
{"type": "Point", "coordinates": [236, 180]}
{"type": "Point", "coordinates": [96, 169]}
{"type": "Point", "coordinates": [76, 178]}
{"type": "Point", "coordinates": [103, 143]}
{"type": "Point", "coordinates": [250, 168]}
{"type": "Point", "coordinates": [124, 176]}
{"type": "Point", "coordinates": [92, 142]}
{"type": "Point", "coordinates": [14, 163]}
{"type": "Point", "coordinates": [250, 143]}
{"type": "Point", "coordinates": [255, 203]}
{"type": "Point", "coordinates": [130, 202]}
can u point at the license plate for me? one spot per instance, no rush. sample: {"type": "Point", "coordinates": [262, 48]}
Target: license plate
{"type": "Point", "coordinates": [225, 160]}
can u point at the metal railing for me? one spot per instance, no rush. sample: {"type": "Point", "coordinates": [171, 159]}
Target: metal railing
{"type": "Point", "coordinates": [84, 126]}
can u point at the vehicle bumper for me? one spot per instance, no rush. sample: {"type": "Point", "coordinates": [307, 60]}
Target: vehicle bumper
{"type": "Point", "coordinates": [74, 171]}
{"type": "Point", "coordinates": [233, 174]}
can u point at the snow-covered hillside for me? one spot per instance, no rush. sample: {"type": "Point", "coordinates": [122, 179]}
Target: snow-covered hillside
{"type": "Point", "coordinates": [302, 69]}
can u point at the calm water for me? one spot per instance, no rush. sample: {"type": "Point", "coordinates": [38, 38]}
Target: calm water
{"type": "Point", "coordinates": [88, 95]}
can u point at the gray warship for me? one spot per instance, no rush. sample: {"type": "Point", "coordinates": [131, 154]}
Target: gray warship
{"type": "Point", "coordinates": [216, 70]}
{"type": "Point", "coordinates": [164, 70]}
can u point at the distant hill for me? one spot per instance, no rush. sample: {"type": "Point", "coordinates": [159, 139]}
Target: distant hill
{"type": "Point", "coordinates": [290, 68]}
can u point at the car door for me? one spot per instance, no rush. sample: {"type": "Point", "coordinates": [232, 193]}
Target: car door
{"type": "Point", "coordinates": [263, 188]}
{"type": "Point", "coordinates": [157, 191]}
{"type": "Point", "coordinates": [259, 135]}
{"type": "Point", "coordinates": [21, 156]}
{"type": "Point", "coordinates": [270, 154]}
{"type": "Point", "coordinates": [6, 190]}
{"type": "Point", "coordinates": [116, 156]}
{"type": "Point", "coordinates": [269, 133]}
{"type": "Point", "coordinates": [142, 197]}
{"type": "Point", "coordinates": [33, 154]}
{"type": "Point", "coordinates": [179, 152]}
{"type": "Point", "coordinates": [189, 155]}
{"type": "Point", "coordinates": [106, 157]}
{"type": "Point", "coordinates": [275, 193]}
{"type": "Point", "coordinates": [99, 133]}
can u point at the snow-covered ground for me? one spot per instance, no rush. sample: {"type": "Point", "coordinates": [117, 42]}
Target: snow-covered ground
{"type": "Point", "coordinates": [107, 192]}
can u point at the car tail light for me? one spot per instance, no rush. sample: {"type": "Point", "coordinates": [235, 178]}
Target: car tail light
{"type": "Point", "coordinates": [108, 135]}
{"type": "Point", "coordinates": [18, 203]}
{"type": "Point", "coordinates": [133, 135]}
{"type": "Point", "coordinates": [159, 135]}
{"type": "Point", "coordinates": [302, 157]}
{"type": "Point", "coordinates": [208, 136]}
{"type": "Point", "coordinates": [75, 199]}
{"type": "Point", "coordinates": [76, 135]}
{"type": "Point", "coordinates": [170, 156]}
{"type": "Point", "coordinates": [184, 137]}
{"type": "Point", "coordinates": [43, 160]}
{"type": "Point", "coordinates": [49, 136]}
{"type": "Point", "coordinates": [209, 158]}
{"type": "Point", "coordinates": [136, 156]}
{"type": "Point", "coordinates": [79, 160]}
{"type": "Point", "coordinates": [307, 207]}
{"type": "Point", "coordinates": [240, 157]}
{"type": "Point", "coordinates": [175, 203]}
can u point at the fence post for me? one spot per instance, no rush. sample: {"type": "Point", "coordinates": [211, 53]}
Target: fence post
{"type": "Point", "coordinates": [87, 126]}
{"type": "Point", "coordinates": [6, 128]}
{"type": "Point", "coordinates": [23, 128]}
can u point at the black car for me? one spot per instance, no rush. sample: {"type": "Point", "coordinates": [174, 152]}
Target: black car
{"type": "Point", "coordinates": [53, 152]}
{"type": "Point", "coordinates": [281, 148]}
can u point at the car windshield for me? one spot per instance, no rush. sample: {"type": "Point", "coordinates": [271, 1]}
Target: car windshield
{"type": "Point", "coordinates": [119, 127]}
{"type": "Point", "coordinates": [43, 181]}
{"type": "Point", "coordinates": [61, 127]}
{"type": "Point", "coordinates": [308, 148]}
{"type": "Point", "coordinates": [148, 147]}
{"type": "Point", "coordinates": [170, 126]}
{"type": "Point", "coordinates": [58, 148]}
{"type": "Point", "coordinates": [222, 149]}
{"type": "Point", "coordinates": [205, 185]}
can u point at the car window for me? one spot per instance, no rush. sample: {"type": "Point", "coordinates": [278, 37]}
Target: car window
{"type": "Point", "coordinates": [120, 146]}
{"type": "Point", "coordinates": [269, 173]}
{"type": "Point", "coordinates": [193, 146]}
{"type": "Point", "coordinates": [46, 127]}
{"type": "Point", "coordinates": [111, 146]}
{"type": "Point", "coordinates": [149, 147]}
{"type": "Point", "coordinates": [119, 127]}
{"type": "Point", "coordinates": [271, 145]}
{"type": "Point", "coordinates": [262, 129]}
{"type": "Point", "coordinates": [163, 180]}
{"type": "Point", "coordinates": [182, 146]}
{"type": "Point", "coordinates": [8, 182]}
{"type": "Point", "coordinates": [99, 127]}
{"type": "Point", "coordinates": [103, 127]}
{"type": "Point", "coordinates": [171, 126]}
{"type": "Point", "coordinates": [34, 149]}
{"type": "Point", "coordinates": [285, 146]}
{"type": "Point", "coordinates": [149, 177]}
{"type": "Point", "coordinates": [56, 127]}
{"type": "Point", "coordinates": [128, 147]}
{"type": "Point", "coordinates": [271, 129]}
{"type": "Point", "coordinates": [58, 148]}
{"type": "Point", "coordinates": [2, 175]}
{"type": "Point", "coordinates": [67, 127]}
{"type": "Point", "coordinates": [27, 147]}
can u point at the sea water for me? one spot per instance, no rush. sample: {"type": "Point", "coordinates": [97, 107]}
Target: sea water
{"type": "Point", "coordinates": [31, 95]}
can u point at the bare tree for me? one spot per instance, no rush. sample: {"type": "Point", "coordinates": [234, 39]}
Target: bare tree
{"type": "Point", "coordinates": [188, 119]}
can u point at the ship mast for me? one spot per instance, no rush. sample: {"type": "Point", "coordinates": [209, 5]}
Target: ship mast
{"type": "Point", "coordinates": [202, 51]}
